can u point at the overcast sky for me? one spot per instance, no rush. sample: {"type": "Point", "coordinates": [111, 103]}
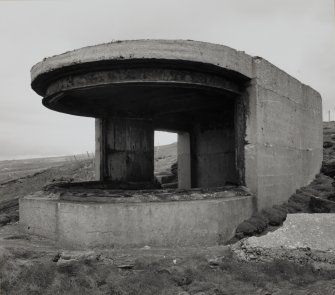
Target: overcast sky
{"type": "Point", "coordinates": [298, 36]}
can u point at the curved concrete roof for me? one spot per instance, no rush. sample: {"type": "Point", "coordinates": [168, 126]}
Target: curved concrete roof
{"type": "Point", "coordinates": [174, 50]}
{"type": "Point", "coordinates": [107, 75]}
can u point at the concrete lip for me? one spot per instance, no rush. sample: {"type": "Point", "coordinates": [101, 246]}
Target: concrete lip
{"type": "Point", "coordinates": [205, 55]}
{"type": "Point", "coordinates": [96, 191]}
{"type": "Point", "coordinates": [134, 92]}
{"type": "Point", "coordinates": [161, 219]}
{"type": "Point", "coordinates": [125, 78]}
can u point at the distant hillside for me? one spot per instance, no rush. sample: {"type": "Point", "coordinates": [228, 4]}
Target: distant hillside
{"type": "Point", "coordinates": [166, 150]}
{"type": "Point", "coordinates": [165, 156]}
{"type": "Point", "coordinates": [329, 141]}
{"type": "Point", "coordinates": [13, 169]}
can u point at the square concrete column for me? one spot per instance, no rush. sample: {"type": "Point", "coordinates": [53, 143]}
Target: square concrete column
{"type": "Point", "coordinates": [213, 149]}
{"type": "Point", "coordinates": [124, 150]}
{"type": "Point", "coordinates": [184, 160]}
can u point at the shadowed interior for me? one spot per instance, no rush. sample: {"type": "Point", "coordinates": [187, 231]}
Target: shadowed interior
{"type": "Point", "coordinates": [133, 100]}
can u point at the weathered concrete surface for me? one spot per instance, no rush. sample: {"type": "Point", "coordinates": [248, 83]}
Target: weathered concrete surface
{"type": "Point", "coordinates": [206, 53]}
{"type": "Point", "coordinates": [277, 151]}
{"type": "Point", "coordinates": [184, 160]}
{"type": "Point", "coordinates": [314, 231]}
{"type": "Point", "coordinates": [125, 150]}
{"type": "Point", "coordinates": [284, 134]}
{"type": "Point", "coordinates": [161, 224]}
{"type": "Point", "coordinates": [213, 150]}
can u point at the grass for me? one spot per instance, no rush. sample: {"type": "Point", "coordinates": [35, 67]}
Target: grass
{"type": "Point", "coordinates": [276, 271]}
{"type": "Point", "coordinates": [25, 271]}
{"type": "Point", "coordinates": [32, 274]}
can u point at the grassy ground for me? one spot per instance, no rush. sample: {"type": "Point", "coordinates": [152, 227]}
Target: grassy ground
{"type": "Point", "coordinates": [28, 269]}
{"type": "Point", "coordinates": [32, 265]}
{"type": "Point", "coordinates": [14, 169]}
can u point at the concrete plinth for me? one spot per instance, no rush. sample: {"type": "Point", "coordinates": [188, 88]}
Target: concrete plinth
{"type": "Point", "coordinates": [110, 223]}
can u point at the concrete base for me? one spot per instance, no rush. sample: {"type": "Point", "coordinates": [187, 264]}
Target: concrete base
{"type": "Point", "coordinates": [202, 222]}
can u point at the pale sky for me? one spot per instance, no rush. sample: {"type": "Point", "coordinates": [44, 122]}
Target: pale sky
{"type": "Point", "coordinates": [297, 36]}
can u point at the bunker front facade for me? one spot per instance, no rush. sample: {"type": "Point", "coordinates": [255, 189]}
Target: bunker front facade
{"type": "Point", "coordinates": [240, 120]}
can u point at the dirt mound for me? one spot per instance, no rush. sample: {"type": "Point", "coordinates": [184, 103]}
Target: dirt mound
{"type": "Point", "coordinates": [328, 141]}
{"type": "Point", "coordinates": [317, 197]}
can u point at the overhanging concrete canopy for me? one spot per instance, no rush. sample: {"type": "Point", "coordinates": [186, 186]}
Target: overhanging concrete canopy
{"type": "Point", "coordinates": [142, 76]}
{"type": "Point", "coordinates": [248, 121]}
{"type": "Point", "coordinates": [146, 91]}
{"type": "Point", "coordinates": [145, 87]}
{"type": "Point", "coordinates": [240, 121]}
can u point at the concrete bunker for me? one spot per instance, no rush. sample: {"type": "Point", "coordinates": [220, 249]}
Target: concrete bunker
{"type": "Point", "coordinates": [130, 99]}
{"type": "Point", "coordinates": [240, 122]}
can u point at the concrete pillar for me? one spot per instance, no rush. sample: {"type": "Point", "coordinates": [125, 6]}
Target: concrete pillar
{"type": "Point", "coordinates": [215, 158]}
{"type": "Point", "coordinates": [124, 150]}
{"type": "Point", "coordinates": [99, 149]}
{"type": "Point", "coordinates": [213, 150]}
{"type": "Point", "coordinates": [184, 161]}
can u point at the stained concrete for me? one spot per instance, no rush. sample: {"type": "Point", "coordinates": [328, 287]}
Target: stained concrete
{"type": "Point", "coordinates": [213, 149]}
{"type": "Point", "coordinates": [162, 224]}
{"type": "Point", "coordinates": [284, 134]}
{"type": "Point", "coordinates": [184, 160]}
{"type": "Point", "coordinates": [170, 50]}
{"type": "Point", "coordinates": [125, 150]}
{"type": "Point", "coordinates": [241, 120]}
{"type": "Point", "coordinates": [277, 119]}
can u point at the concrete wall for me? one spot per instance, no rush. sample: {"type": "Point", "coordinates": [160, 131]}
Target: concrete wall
{"type": "Point", "coordinates": [161, 224]}
{"type": "Point", "coordinates": [184, 160]}
{"type": "Point", "coordinates": [39, 216]}
{"type": "Point", "coordinates": [214, 158]}
{"type": "Point", "coordinates": [213, 150]}
{"type": "Point", "coordinates": [284, 134]}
